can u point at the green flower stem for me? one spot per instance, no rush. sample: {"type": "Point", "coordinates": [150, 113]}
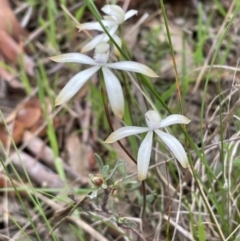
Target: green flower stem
{"type": "Point", "coordinates": [173, 57]}
{"type": "Point", "coordinates": [105, 103]}
{"type": "Point", "coordinates": [144, 199]}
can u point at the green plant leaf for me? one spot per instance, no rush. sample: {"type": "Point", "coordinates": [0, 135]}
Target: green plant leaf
{"type": "Point", "coordinates": [117, 165]}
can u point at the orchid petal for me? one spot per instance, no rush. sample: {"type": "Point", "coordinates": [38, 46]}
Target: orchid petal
{"type": "Point", "coordinates": [114, 92]}
{"type": "Point", "coordinates": [93, 43]}
{"type": "Point", "coordinates": [105, 38]}
{"type": "Point", "coordinates": [109, 23]}
{"type": "Point", "coordinates": [134, 67]}
{"type": "Point", "coordinates": [109, 18]}
{"type": "Point", "coordinates": [130, 13]}
{"type": "Point", "coordinates": [73, 58]}
{"type": "Point", "coordinates": [144, 154]}
{"type": "Point", "coordinates": [90, 26]}
{"type": "Point", "coordinates": [174, 146]}
{"type": "Point", "coordinates": [99, 38]}
{"type": "Point", "coordinates": [124, 132]}
{"type": "Point", "coordinates": [111, 32]}
{"type": "Point", "coordinates": [95, 25]}
{"type": "Point", "coordinates": [174, 119]}
{"type": "Point", "coordinates": [74, 84]}
{"type": "Point", "coordinates": [114, 11]}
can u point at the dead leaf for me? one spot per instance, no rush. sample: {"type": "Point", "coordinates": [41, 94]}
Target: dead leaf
{"type": "Point", "coordinates": [36, 171]}
{"type": "Point", "coordinates": [28, 117]}
{"type": "Point", "coordinates": [11, 34]}
{"type": "Point", "coordinates": [3, 181]}
{"type": "Point", "coordinates": [10, 78]}
{"type": "Point", "coordinates": [78, 155]}
{"type": "Point", "coordinates": [9, 22]}
{"type": "Point", "coordinates": [38, 148]}
{"type": "Point", "coordinates": [16, 129]}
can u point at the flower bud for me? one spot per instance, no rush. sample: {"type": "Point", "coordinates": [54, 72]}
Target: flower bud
{"type": "Point", "coordinates": [97, 181]}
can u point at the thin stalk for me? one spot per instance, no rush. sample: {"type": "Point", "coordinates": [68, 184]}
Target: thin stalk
{"type": "Point", "coordinates": [144, 199]}
{"type": "Point", "coordinates": [172, 54]}
{"type": "Point", "coordinates": [209, 208]}
{"type": "Point", "coordinates": [105, 104]}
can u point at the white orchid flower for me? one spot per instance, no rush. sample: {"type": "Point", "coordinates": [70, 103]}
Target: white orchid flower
{"type": "Point", "coordinates": [116, 16]}
{"type": "Point", "coordinates": [113, 87]}
{"type": "Point", "coordinates": [154, 122]}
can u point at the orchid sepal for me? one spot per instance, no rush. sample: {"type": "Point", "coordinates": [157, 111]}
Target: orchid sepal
{"type": "Point", "coordinates": [73, 58]}
{"type": "Point", "coordinates": [114, 92]}
{"type": "Point", "coordinates": [133, 67]}
{"type": "Point", "coordinates": [74, 84]}
{"type": "Point", "coordinates": [144, 154]}
{"type": "Point", "coordinates": [174, 119]}
{"type": "Point", "coordinates": [124, 132]}
{"type": "Point", "coordinates": [130, 14]}
{"type": "Point", "coordinates": [174, 146]}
